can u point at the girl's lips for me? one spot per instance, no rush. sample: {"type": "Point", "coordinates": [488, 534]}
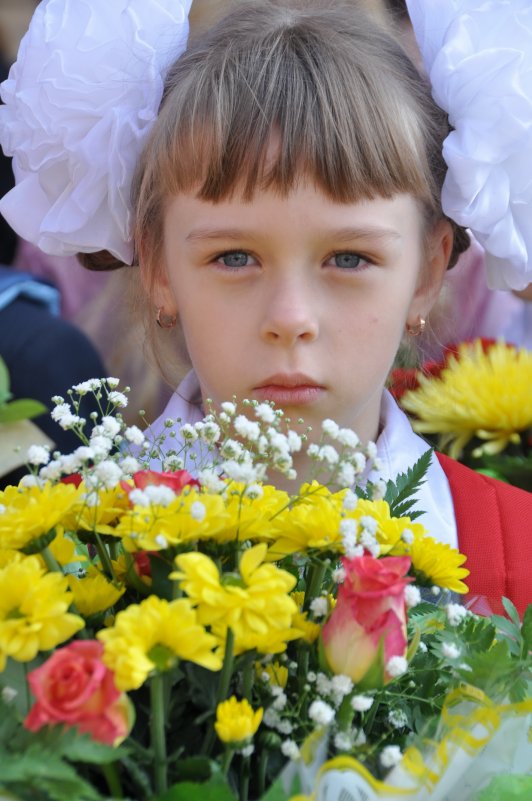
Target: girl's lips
{"type": "Point", "coordinates": [289, 396]}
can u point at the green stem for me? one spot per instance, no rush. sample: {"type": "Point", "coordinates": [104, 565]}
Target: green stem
{"type": "Point", "coordinates": [247, 680]}
{"type": "Point", "coordinates": [263, 765]}
{"type": "Point", "coordinates": [226, 760]}
{"type": "Point", "coordinates": [113, 550]}
{"type": "Point", "coordinates": [223, 687]}
{"type": "Point", "coordinates": [368, 723]}
{"type": "Point", "coordinates": [113, 780]}
{"type": "Point", "coordinates": [244, 780]}
{"type": "Point", "coordinates": [132, 576]}
{"type": "Point", "coordinates": [158, 738]}
{"type": "Point", "coordinates": [345, 714]}
{"type": "Point", "coordinates": [50, 561]}
{"type": "Point", "coordinates": [314, 584]}
{"type": "Point", "coordinates": [104, 557]}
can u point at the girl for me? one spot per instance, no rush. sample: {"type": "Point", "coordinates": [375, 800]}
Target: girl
{"type": "Point", "coordinates": [288, 223]}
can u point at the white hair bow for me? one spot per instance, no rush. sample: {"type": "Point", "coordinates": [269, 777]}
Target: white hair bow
{"type": "Point", "coordinates": [478, 55]}
{"type": "Point", "coordinates": [79, 103]}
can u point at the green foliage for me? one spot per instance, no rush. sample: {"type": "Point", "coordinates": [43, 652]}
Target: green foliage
{"type": "Point", "coordinates": [400, 494]}
{"type": "Point", "coordinates": [14, 410]}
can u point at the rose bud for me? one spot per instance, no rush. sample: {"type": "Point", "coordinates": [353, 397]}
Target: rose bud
{"type": "Point", "coordinates": [368, 624]}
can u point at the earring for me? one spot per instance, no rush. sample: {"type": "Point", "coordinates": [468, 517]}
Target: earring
{"type": "Point", "coordinates": [416, 329]}
{"type": "Point", "coordinates": [165, 320]}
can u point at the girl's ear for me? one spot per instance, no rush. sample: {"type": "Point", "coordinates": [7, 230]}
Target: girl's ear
{"type": "Point", "coordinates": [436, 258]}
{"type": "Point", "coordinates": [155, 283]}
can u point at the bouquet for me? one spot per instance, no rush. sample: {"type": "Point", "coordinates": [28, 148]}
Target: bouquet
{"type": "Point", "coordinates": [476, 404]}
{"type": "Point", "coordinates": [195, 632]}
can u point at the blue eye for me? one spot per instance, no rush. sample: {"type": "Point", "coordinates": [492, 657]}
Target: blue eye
{"type": "Point", "coordinates": [347, 261]}
{"type": "Point", "coordinates": [235, 258]}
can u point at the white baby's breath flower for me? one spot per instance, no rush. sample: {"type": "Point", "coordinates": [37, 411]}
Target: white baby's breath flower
{"type": "Point", "coordinates": [290, 750]}
{"type": "Point", "coordinates": [323, 684]}
{"type": "Point", "coordinates": [159, 494]}
{"type": "Point", "coordinates": [70, 463]}
{"type": "Point", "coordinates": [371, 450]}
{"type": "Point", "coordinates": [359, 462]}
{"type": "Point", "coordinates": [321, 713]}
{"type": "Point", "coordinates": [101, 446]}
{"type": "Point", "coordinates": [110, 426]}
{"type": "Point", "coordinates": [341, 685]}
{"type": "Point", "coordinates": [271, 718]}
{"type": "Point", "coordinates": [338, 575]}
{"type": "Point", "coordinates": [328, 454]}
{"type": "Point", "coordinates": [407, 536]}
{"type": "Point", "coordinates": [378, 490]}
{"type": "Point", "coordinates": [422, 647]}
{"type": "Point", "coordinates": [285, 727]}
{"type": "Point", "coordinates": [369, 524]}
{"type": "Point", "coordinates": [134, 434]}
{"type": "Point", "coordinates": [450, 650]}
{"type": "Point", "coordinates": [396, 666]}
{"type": "Point", "coordinates": [38, 454]}
{"type": "Point", "coordinates": [455, 613]}
{"type": "Point", "coordinates": [240, 471]}
{"type": "Point", "coordinates": [189, 433]}
{"type": "Point", "coordinates": [62, 414]}
{"type": "Point", "coordinates": [130, 465]}
{"type": "Point", "coordinates": [319, 607]}
{"type": "Point", "coordinates": [108, 473]}
{"type": "Point", "coordinates": [348, 527]}
{"type": "Point", "coordinates": [138, 498]}
{"type": "Point", "coordinates": [412, 596]}
{"type": "Point", "coordinates": [52, 471]}
{"type": "Point", "coordinates": [397, 718]}
{"type": "Point", "coordinates": [231, 449]}
{"type": "Point", "coordinates": [229, 408]}
{"type": "Point", "coordinates": [265, 412]}
{"type": "Point", "coordinates": [198, 511]}
{"type": "Point", "coordinates": [249, 429]}
{"type": "Point", "coordinates": [111, 381]}
{"type": "Point", "coordinates": [330, 428]}
{"type": "Point", "coordinates": [345, 475]}
{"type": "Point", "coordinates": [390, 756]}
{"type": "Point", "coordinates": [343, 741]}
{"type": "Point", "coordinates": [254, 491]}
{"type": "Point", "coordinates": [294, 441]}
{"type": "Point", "coordinates": [211, 481]}
{"type": "Point", "coordinates": [211, 432]}
{"type": "Point", "coordinates": [161, 541]}
{"type": "Point", "coordinates": [280, 700]}
{"type": "Point", "coordinates": [361, 703]}
{"type": "Point", "coordinates": [348, 438]}
{"type": "Point", "coordinates": [83, 388]}
{"type": "Point", "coordinates": [118, 399]}
{"type": "Point", "coordinates": [9, 694]}
{"type": "Point", "coordinates": [350, 501]}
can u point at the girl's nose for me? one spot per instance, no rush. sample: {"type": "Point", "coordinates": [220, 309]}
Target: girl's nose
{"type": "Point", "coordinates": [290, 317]}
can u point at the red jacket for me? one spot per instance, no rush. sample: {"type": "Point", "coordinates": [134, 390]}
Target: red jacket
{"type": "Point", "coordinates": [494, 524]}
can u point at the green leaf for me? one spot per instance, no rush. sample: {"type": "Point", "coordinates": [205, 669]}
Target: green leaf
{"type": "Point", "coordinates": [5, 394]}
{"type": "Point", "coordinates": [22, 409]}
{"type": "Point", "coordinates": [526, 630]}
{"type": "Point", "coordinates": [399, 494]}
{"type": "Point", "coordinates": [511, 611]}
{"type": "Point", "coordinates": [278, 793]}
{"type": "Point", "coordinates": [41, 769]}
{"type": "Point", "coordinates": [216, 789]}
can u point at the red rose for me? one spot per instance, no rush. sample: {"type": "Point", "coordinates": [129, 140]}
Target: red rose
{"type": "Point", "coordinates": [177, 480]}
{"type": "Point", "coordinates": [74, 687]}
{"type": "Point", "coordinates": [368, 624]}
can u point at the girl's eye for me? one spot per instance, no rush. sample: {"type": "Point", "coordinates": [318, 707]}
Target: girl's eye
{"type": "Point", "coordinates": [235, 258]}
{"type": "Point", "coordinates": [347, 261]}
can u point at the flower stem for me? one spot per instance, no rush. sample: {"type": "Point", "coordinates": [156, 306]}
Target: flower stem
{"type": "Point", "coordinates": [104, 557]}
{"type": "Point", "coordinates": [113, 780]}
{"type": "Point", "coordinates": [314, 584]}
{"type": "Point", "coordinates": [158, 738]}
{"type": "Point", "coordinates": [263, 765]}
{"type": "Point", "coordinates": [226, 760]}
{"type": "Point", "coordinates": [247, 679]}
{"type": "Point", "coordinates": [244, 780]}
{"type": "Point", "coordinates": [345, 714]}
{"type": "Point", "coordinates": [50, 561]}
{"type": "Point", "coordinates": [223, 687]}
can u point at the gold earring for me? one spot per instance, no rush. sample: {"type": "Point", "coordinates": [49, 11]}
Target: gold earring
{"type": "Point", "coordinates": [416, 329]}
{"type": "Point", "coordinates": [165, 320]}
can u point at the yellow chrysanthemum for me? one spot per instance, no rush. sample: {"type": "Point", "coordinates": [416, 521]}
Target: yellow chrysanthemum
{"type": "Point", "coordinates": [63, 549]}
{"type": "Point", "coordinates": [308, 631]}
{"type": "Point", "coordinates": [152, 636]}
{"type": "Point", "coordinates": [484, 394]}
{"type": "Point", "coordinates": [189, 517]}
{"type": "Point", "coordinates": [277, 673]}
{"type": "Point", "coordinates": [33, 610]}
{"type": "Point", "coordinates": [8, 556]}
{"type": "Point", "coordinates": [254, 603]}
{"type": "Point", "coordinates": [236, 721]}
{"type": "Point", "coordinates": [101, 516]}
{"type": "Point", "coordinates": [29, 512]}
{"type": "Point", "coordinates": [439, 563]}
{"type": "Point", "coordinates": [389, 529]}
{"type": "Point", "coordinates": [250, 518]}
{"type": "Point", "coordinates": [93, 593]}
{"type": "Point", "coordinates": [314, 522]}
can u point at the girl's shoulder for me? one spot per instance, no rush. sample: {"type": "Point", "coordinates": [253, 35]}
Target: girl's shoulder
{"type": "Point", "coordinates": [494, 524]}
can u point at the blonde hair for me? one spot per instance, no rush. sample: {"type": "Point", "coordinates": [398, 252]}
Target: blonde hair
{"type": "Point", "coordinates": [344, 102]}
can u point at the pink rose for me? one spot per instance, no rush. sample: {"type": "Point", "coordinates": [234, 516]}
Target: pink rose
{"type": "Point", "coordinates": [74, 687]}
{"type": "Point", "coordinates": [368, 625]}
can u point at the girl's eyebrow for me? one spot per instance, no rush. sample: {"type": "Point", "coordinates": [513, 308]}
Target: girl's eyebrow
{"type": "Point", "coordinates": [373, 232]}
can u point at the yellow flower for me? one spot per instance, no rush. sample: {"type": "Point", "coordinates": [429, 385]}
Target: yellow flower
{"type": "Point", "coordinates": [250, 518]}
{"type": "Point", "coordinates": [153, 636]}
{"type": "Point", "coordinates": [439, 563]}
{"type": "Point", "coordinates": [189, 517]}
{"type": "Point", "coordinates": [308, 630]}
{"type": "Point", "coordinates": [30, 512]}
{"type": "Point", "coordinates": [63, 549]}
{"type": "Point", "coordinates": [254, 603]}
{"type": "Point", "coordinates": [33, 610]}
{"type": "Point", "coordinates": [478, 394]}
{"type": "Point", "coordinates": [101, 516]}
{"type": "Point", "coordinates": [389, 529]}
{"type": "Point", "coordinates": [313, 522]}
{"type": "Point", "coordinates": [93, 593]}
{"type": "Point", "coordinates": [277, 673]}
{"type": "Point", "coordinates": [236, 722]}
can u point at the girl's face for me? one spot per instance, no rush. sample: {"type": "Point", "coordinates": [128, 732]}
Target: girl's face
{"type": "Point", "coordinates": [299, 299]}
